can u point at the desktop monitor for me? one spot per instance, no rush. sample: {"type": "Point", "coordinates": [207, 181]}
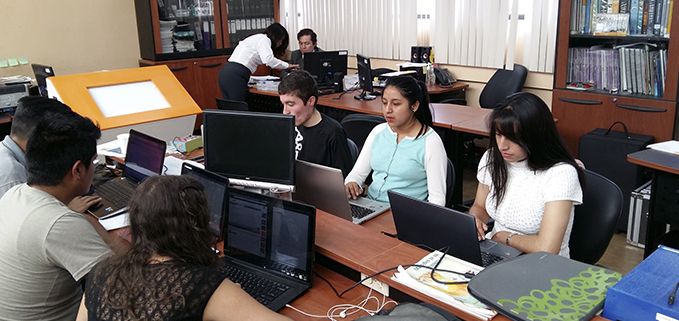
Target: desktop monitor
{"type": "Point", "coordinates": [327, 67]}
{"type": "Point", "coordinates": [364, 78]}
{"type": "Point", "coordinates": [252, 146]}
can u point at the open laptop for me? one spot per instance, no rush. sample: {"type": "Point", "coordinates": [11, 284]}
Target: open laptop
{"type": "Point", "coordinates": [269, 246]}
{"type": "Point", "coordinates": [323, 187]}
{"type": "Point", "coordinates": [216, 190]}
{"type": "Point", "coordinates": [422, 223]}
{"type": "Point", "coordinates": [144, 158]}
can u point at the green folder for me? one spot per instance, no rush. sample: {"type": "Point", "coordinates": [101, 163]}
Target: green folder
{"type": "Point", "coordinates": [543, 286]}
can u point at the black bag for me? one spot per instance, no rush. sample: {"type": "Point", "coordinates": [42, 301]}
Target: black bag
{"type": "Point", "coordinates": [605, 151]}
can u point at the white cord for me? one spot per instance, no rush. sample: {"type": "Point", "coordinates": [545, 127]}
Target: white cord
{"type": "Point", "coordinates": [304, 313]}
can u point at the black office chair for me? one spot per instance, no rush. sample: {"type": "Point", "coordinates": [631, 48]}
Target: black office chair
{"type": "Point", "coordinates": [595, 220]}
{"type": "Point", "coordinates": [503, 83]}
{"type": "Point", "coordinates": [358, 126]}
{"type": "Point", "coordinates": [450, 184]}
{"type": "Point", "coordinates": [353, 149]}
{"type": "Point", "coordinates": [225, 104]}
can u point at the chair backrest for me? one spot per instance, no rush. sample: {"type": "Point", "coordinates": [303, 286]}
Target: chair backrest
{"type": "Point", "coordinates": [225, 104]}
{"type": "Point", "coordinates": [353, 149]}
{"type": "Point", "coordinates": [595, 219]}
{"type": "Point", "coordinates": [450, 184]}
{"type": "Point", "coordinates": [358, 126]}
{"type": "Point", "coordinates": [502, 84]}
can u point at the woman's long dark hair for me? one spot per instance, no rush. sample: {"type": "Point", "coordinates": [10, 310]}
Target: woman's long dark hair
{"type": "Point", "coordinates": [414, 90]}
{"type": "Point", "coordinates": [526, 120]}
{"type": "Point", "coordinates": [169, 216]}
{"type": "Point", "coordinates": [277, 33]}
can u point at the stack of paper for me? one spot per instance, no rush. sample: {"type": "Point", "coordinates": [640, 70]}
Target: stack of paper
{"type": "Point", "coordinates": [419, 279]}
{"type": "Point", "coordinates": [670, 146]}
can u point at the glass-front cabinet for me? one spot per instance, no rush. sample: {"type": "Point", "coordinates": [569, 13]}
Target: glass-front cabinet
{"type": "Point", "coordinates": [178, 29]}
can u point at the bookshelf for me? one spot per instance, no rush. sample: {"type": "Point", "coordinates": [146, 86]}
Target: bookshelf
{"type": "Point", "coordinates": [194, 38]}
{"type": "Point", "coordinates": [629, 76]}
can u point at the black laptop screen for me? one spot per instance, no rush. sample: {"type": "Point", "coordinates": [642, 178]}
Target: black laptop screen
{"type": "Point", "coordinates": [269, 232]}
{"type": "Point", "coordinates": [145, 156]}
{"type": "Point", "coordinates": [250, 145]}
{"type": "Point", "coordinates": [215, 189]}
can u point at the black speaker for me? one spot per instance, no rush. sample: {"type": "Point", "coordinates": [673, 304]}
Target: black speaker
{"type": "Point", "coordinates": [415, 54]}
{"type": "Point", "coordinates": [425, 55]}
{"type": "Point", "coordinates": [337, 81]}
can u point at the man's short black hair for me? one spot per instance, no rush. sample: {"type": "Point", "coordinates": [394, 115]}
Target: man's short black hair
{"type": "Point", "coordinates": [307, 32]}
{"type": "Point", "coordinates": [55, 145]}
{"type": "Point", "coordinates": [30, 111]}
{"type": "Point", "coordinates": [299, 83]}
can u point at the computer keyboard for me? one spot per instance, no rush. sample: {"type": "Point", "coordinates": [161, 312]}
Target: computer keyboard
{"type": "Point", "coordinates": [489, 258]}
{"type": "Point", "coordinates": [261, 289]}
{"type": "Point", "coordinates": [117, 192]}
{"type": "Point", "coordinates": [360, 211]}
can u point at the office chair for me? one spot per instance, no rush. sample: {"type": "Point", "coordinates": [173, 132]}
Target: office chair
{"type": "Point", "coordinates": [225, 104]}
{"type": "Point", "coordinates": [595, 219]}
{"type": "Point", "coordinates": [353, 149]}
{"type": "Point", "coordinates": [503, 83]}
{"type": "Point", "coordinates": [450, 184]}
{"type": "Point", "coordinates": [358, 126]}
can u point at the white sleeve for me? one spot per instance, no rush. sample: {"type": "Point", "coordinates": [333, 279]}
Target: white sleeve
{"type": "Point", "coordinates": [563, 184]}
{"type": "Point", "coordinates": [362, 167]}
{"type": "Point", "coordinates": [436, 166]}
{"type": "Point", "coordinates": [266, 54]}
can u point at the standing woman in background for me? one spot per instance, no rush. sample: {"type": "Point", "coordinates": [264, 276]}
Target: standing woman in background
{"type": "Point", "coordinates": [257, 49]}
{"type": "Point", "coordinates": [528, 180]}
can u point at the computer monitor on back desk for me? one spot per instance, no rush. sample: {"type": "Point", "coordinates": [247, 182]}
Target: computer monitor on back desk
{"type": "Point", "coordinates": [364, 78]}
{"type": "Point", "coordinates": [327, 67]}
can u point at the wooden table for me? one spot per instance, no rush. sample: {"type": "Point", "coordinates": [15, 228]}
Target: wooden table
{"type": "Point", "coordinates": [664, 199]}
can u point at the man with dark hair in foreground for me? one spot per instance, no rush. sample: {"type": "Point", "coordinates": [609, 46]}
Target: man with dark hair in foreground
{"type": "Point", "coordinates": [45, 247]}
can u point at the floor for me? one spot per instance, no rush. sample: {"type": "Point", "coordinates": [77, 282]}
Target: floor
{"type": "Point", "coordinates": [620, 256]}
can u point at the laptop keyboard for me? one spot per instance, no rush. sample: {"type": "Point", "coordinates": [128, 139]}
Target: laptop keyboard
{"type": "Point", "coordinates": [117, 192]}
{"type": "Point", "coordinates": [360, 212]}
{"type": "Point", "coordinates": [489, 258]}
{"type": "Point", "coordinates": [261, 289]}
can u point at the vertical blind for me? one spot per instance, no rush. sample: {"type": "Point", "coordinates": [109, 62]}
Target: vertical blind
{"type": "Point", "coordinates": [376, 28]}
{"type": "Point", "coordinates": [481, 33]}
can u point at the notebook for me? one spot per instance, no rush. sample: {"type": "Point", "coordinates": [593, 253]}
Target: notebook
{"type": "Point", "coordinates": [215, 189]}
{"type": "Point", "coordinates": [145, 157]}
{"type": "Point", "coordinates": [323, 187]}
{"type": "Point", "coordinates": [270, 242]}
{"type": "Point", "coordinates": [422, 223]}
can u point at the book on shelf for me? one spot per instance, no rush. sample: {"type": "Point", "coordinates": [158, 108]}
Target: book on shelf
{"type": "Point", "coordinates": [456, 295]}
{"type": "Point", "coordinates": [646, 17]}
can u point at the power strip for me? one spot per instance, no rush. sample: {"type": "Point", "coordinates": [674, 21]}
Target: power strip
{"type": "Point", "coordinates": [375, 285]}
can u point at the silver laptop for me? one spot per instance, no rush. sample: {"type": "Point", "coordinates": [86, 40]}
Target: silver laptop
{"type": "Point", "coordinates": [435, 227]}
{"type": "Point", "coordinates": [323, 187]}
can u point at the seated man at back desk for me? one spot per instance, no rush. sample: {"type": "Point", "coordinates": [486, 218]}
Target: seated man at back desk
{"type": "Point", "coordinates": [30, 111]}
{"type": "Point", "coordinates": [45, 247]}
{"type": "Point", "coordinates": [307, 43]}
{"type": "Point", "coordinates": [320, 139]}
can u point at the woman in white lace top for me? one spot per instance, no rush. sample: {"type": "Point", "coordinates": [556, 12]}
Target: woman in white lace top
{"type": "Point", "coordinates": [528, 180]}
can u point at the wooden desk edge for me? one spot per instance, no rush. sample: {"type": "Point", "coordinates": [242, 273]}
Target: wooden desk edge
{"type": "Point", "coordinates": [652, 165]}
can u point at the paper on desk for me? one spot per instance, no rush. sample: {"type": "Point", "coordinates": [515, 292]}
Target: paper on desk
{"type": "Point", "coordinates": [116, 222]}
{"type": "Point", "coordinates": [456, 295]}
{"type": "Point", "coordinates": [262, 78]}
{"type": "Point", "coordinates": [111, 149]}
{"type": "Point", "coordinates": [670, 146]}
{"type": "Point", "coordinates": [174, 165]}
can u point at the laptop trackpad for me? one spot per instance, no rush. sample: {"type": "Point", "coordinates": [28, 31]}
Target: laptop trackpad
{"type": "Point", "coordinates": [498, 249]}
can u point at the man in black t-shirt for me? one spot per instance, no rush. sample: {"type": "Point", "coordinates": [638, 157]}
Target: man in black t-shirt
{"type": "Point", "coordinates": [320, 139]}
